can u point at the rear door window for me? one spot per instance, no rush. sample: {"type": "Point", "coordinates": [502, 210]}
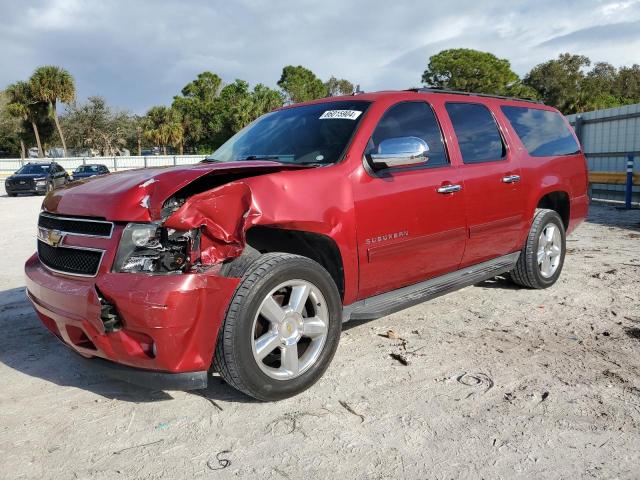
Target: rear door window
{"type": "Point", "coordinates": [478, 135]}
{"type": "Point", "coordinates": [411, 119]}
{"type": "Point", "coordinates": [543, 132]}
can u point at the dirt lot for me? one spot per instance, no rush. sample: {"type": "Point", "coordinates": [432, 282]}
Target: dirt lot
{"type": "Point", "coordinates": [501, 383]}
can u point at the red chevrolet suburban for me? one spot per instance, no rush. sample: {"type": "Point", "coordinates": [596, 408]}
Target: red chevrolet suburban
{"type": "Point", "coordinates": [342, 208]}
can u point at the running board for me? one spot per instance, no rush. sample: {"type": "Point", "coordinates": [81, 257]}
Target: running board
{"type": "Point", "coordinates": [396, 300]}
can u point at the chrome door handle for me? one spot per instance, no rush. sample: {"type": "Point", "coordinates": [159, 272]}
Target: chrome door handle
{"type": "Point", "coordinates": [511, 179]}
{"type": "Point", "coordinates": [449, 188]}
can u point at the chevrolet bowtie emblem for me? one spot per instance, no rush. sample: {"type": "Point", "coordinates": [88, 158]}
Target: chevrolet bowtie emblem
{"type": "Point", "coordinates": [50, 236]}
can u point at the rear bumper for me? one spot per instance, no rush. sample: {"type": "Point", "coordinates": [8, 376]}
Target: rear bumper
{"type": "Point", "coordinates": [169, 323]}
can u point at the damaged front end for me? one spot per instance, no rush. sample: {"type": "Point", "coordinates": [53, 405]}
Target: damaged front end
{"type": "Point", "coordinates": [153, 248]}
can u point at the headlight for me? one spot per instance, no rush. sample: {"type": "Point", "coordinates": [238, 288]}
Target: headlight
{"type": "Point", "coordinates": [150, 248]}
{"type": "Point", "coordinates": [41, 183]}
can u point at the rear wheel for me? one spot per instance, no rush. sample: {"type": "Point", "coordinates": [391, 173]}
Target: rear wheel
{"type": "Point", "coordinates": [542, 257]}
{"type": "Point", "coordinates": [282, 327]}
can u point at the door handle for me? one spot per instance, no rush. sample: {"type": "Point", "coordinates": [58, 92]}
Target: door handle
{"type": "Point", "coordinates": [511, 179]}
{"type": "Point", "coordinates": [449, 188]}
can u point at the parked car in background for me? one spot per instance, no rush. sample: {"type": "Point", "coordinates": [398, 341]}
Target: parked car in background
{"type": "Point", "coordinates": [344, 208]}
{"type": "Point", "coordinates": [39, 178]}
{"type": "Point", "coordinates": [89, 170]}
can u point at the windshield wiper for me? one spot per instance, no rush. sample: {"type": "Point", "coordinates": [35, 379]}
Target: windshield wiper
{"type": "Point", "coordinates": [210, 159]}
{"type": "Point", "coordinates": [260, 157]}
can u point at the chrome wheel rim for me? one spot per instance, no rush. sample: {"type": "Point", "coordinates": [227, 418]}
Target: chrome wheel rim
{"type": "Point", "coordinates": [290, 329]}
{"type": "Point", "coordinates": [549, 250]}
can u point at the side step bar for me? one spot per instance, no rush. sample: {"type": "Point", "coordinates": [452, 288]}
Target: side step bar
{"type": "Point", "coordinates": [396, 300]}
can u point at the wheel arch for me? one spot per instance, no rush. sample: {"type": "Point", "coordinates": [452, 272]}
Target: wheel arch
{"type": "Point", "coordinates": [559, 201]}
{"type": "Point", "coordinates": [316, 246]}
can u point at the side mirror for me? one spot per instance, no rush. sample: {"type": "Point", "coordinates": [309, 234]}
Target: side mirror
{"type": "Point", "coordinates": [400, 152]}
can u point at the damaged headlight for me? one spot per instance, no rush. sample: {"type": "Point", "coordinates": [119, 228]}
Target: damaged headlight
{"type": "Point", "coordinates": [151, 248]}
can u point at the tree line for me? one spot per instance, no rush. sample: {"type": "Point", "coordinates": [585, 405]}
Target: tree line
{"type": "Point", "coordinates": [207, 111]}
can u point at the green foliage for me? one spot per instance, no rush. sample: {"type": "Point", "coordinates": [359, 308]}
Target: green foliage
{"type": "Point", "coordinates": [338, 86]}
{"type": "Point", "coordinates": [560, 82]}
{"type": "Point", "coordinates": [300, 84]}
{"type": "Point", "coordinates": [211, 112]}
{"type": "Point", "coordinates": [627, 84]}
{"type": "Point", "coordinates": [163, 127]}
{"type": "Point", "coordinates": [93, 125]}
{"type": "Point", "coordinates": [470, 70]}
{"type": "Point", "coordinates": [49, 84]}
{"type": "Point", "coordinates": [52, 84]}
{"type": "Point", "coordinates": [10, 129]}
{"type": "Point", "coordinates": [566, 84]}
{"type": "Point", "coordinates": [23, 105]}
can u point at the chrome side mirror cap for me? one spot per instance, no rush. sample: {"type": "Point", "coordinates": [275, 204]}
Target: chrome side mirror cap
{"type": "Point", "coordinates": [400, 152]}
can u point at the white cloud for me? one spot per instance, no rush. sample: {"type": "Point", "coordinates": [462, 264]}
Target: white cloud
{"type": "Point", "coordinates": [139, 53]}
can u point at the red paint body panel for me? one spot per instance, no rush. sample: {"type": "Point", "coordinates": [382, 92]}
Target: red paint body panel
{"type": "Point", "coordinates": [180, 313]}
{"type": "Point", "coordinates": [390, 231]}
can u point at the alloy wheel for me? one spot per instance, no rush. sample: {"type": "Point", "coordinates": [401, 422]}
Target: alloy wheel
{"type": "Point", "coordinates": [290, 329]}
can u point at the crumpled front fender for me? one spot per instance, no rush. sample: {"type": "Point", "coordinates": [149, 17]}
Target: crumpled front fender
{"type": "Point", "coordinates": [223, 216]}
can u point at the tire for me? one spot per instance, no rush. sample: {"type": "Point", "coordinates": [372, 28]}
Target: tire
{"type": "Point", "coordinates": [270, 379]}
{"type": "Point", "coordinates": [12, 194]}
{"type": "Point", "coordinates": [529, 271]}
{"type": "Point", "coordinates": [237, 267]}
{"type": "Point", "coordinates": [50, 187]}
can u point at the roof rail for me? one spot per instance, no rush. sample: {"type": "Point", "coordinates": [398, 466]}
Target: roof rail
{"type": "Point", "coordinates": [458, 92]}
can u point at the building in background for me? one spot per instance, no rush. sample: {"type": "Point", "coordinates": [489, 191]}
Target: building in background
{"type": "Point", "coordinates": [608, 137]}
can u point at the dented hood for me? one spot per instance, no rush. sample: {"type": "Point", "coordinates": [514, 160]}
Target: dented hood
{"type": "Point", "coordinates": [138, 195]}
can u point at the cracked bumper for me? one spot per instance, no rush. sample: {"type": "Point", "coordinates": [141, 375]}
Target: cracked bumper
{"type": "Point", "coordinates": [169, 323]}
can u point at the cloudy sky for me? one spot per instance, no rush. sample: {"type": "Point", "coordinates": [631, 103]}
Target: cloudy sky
{"type": "Point", "coordinates": [138, 53]}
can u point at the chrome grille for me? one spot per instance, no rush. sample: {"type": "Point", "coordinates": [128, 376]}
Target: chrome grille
{"type": "Point", "coordinates": [76, 225]}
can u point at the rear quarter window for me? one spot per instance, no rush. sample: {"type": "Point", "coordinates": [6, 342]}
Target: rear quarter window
{"type": "Point", "coordinates": [478, 135]}
{"type": "Point", "coordinates": [543, 132]}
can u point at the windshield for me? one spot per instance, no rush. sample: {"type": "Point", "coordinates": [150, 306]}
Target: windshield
{"type": "Point", "coordinates": [34, 168]}
{"type": "Point", "coordinates": [309, 134]}
{"type": "Point", "coordinates": [88, 169]}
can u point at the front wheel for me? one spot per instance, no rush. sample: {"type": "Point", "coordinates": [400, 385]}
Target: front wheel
{"type": "Point", "coordinates": [542, 257]}
{"type": "Point", "coordinates": [282, 327]}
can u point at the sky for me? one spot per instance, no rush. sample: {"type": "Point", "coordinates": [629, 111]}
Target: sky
{"type": "Point", "coordinates": [140, 53]}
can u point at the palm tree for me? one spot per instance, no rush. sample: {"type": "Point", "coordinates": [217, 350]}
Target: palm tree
{"type": "Point", "coordinates": [162, 126]}
{"type": "Point", "coordinates": [175, 134]}
{"type": "Point", "coordinates": [22, 105]}
{"type": "Point", "coordinates": [51, 84]}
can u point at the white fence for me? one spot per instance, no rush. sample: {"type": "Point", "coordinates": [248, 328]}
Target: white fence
{"type": "Point", "coordinates": [114, 164]}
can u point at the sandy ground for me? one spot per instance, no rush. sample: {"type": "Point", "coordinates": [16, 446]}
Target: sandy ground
{"type": "Point", "coordinates": [501, 383]}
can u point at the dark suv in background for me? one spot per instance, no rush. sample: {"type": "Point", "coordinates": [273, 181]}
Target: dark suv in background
{"type": "Point", "coordinates": [38, 178]}
{"type": "Point", "coordinates": [89, 170]}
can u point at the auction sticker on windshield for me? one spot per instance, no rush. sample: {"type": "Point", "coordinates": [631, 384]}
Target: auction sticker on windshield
{"type": "Point", "coordinates": [340, 114]}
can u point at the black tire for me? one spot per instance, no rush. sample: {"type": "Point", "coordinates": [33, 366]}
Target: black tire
{"type": "Point", "coordinates": [234, 359]}
{"type": "Point", "coordinates": [237, 267]}
{"type": "Point", "coordinates": [12, 194]}
{"type": "Point", "coordinates": [50, 187]}
{"type": "Point", "coordinates": [527, 271]}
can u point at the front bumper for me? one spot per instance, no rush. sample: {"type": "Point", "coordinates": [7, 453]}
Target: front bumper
{"type": "Point", "coordinates": [169, 323]}
{"type": "Point", "coordinates": [12, 189]}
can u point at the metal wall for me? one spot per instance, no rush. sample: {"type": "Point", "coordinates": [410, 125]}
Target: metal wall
{"type": "Point", "coordinates": [608, 137]}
